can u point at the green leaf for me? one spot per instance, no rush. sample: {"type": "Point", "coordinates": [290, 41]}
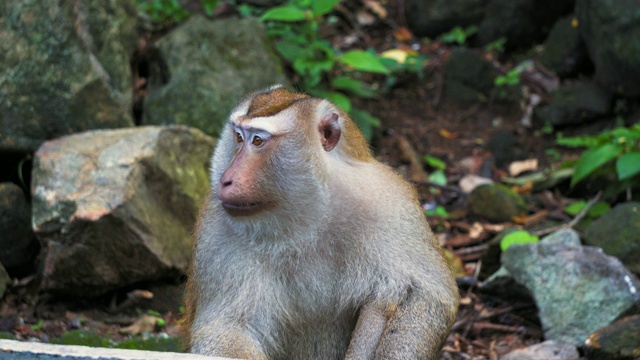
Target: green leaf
{"type": "Point", "coordinates": [322, 7]}
{"type": "Point", "coordinates": [434, 162]}
{"type": "Point", "coordinates": [438, 211]}
{"type": "Point", "coordinates": [366, 122]}
{"type": "Point", "coordinates": [283, 13]}
{"type": "Point", "coordinates": [517, 237]}
{"type": "Point", "coordinates": [575, 208]}
{"type": "Point", "coordinates": [339, 99]}
{"type": "Point", "coordinates": [438, 177]}
{"type": "Point", "coordinates": [38, 325]}
{"type": "Point", "coordinates": [628, 165]}
{"type": "Point", "coordinates": [583, 141]}
{"type": "Point", "coordinates": [291, 52]}
{"type": "Point", "coordinates": [209, 6]}
{"type": "Point", "coordinates": [352, 86]}
{"type": "Point", "coordinates": [598, 209]}
{"type": "Point", "coordinates": [593, 159]}
{"type": "Point", "coordinates": [363, 61]}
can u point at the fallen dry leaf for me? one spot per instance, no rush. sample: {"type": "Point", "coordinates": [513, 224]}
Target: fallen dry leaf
{"type": "Point", "coordinates": [145, 324]}
{"type": "Point", "coordinates": [402, 34]}
{"type": "Point", "coordinates": [518, 167]}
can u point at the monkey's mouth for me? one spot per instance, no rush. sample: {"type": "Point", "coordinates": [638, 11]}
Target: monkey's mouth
{"type": "Point", "coordinates": [243, 209]}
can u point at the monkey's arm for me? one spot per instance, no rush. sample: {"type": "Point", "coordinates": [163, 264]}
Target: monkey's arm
{"type": "Point", "coordinates": [226, 341]}
{"type": "Point", "coordinates": [368, 331]}
{"type": "Point", "coordinates": [419, 326]}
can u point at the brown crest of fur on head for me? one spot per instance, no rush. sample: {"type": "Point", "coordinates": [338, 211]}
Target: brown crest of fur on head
{"type": "Point", "coordinates": [272, 102]}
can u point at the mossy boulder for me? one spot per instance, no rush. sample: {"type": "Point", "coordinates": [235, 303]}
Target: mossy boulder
{"type": "Point", "coordinates": [204, 68]}
{"type": "Point", "coordinates": [617, 232]}
{"type": "Point", "coordinates": [496, 203]}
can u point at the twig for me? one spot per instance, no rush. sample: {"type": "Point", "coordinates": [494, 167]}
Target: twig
{"type": "Point", "coordinates": [573, 222]}
{"type": "Point", "coordinates": [442, 187]}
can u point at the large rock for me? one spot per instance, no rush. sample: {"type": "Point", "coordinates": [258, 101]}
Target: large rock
{"type": "Point", "coordinates": [617, 232]}
{"type": "Point", "coordinates": [116, 207]}
{"type": "Point", "coordinates": [564, 51]}
{"type": "Point", "coordinates": [620, 340]}
{"type": "Point", "coordinates": [209, 66]}
{"type": "Point", "coordinates": [468, 76]}
{"type": "Point", "coordinates": [521, 22]}
{"type": "Point", "coordinates": [65, 68]}
{"type": "Point", "coordinates": [548, 350]}
{"type": "Point", "coordinates": [496, 203]}
{"type": "Point", "coordinates": [574, 104]}
{"type": "Point", "coordinates": [611, 30]}
{"type": "Point", "coordinates": [4, 281]}
{"type": "Point", "coordinates": [18, 245]}
{"type": "Point", "coordinates": [577, 289]}
{"type": "Point", "coordinates": [433, 17]}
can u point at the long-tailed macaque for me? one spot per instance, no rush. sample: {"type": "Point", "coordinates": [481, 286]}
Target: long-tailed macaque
{"type": "Point", "coordinates": [309, 248]}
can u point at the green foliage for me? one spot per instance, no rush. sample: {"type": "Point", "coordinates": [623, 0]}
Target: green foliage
{"type": "Point", "coordinates": [496, 45]}
{"type": "Point", "coordinates": [83, 338]}
{"type": "Point", "coordinates": [162, 11]}
{"type": "Point", "coordinates": [598, 209]}
{"type": "Point", "coordinates": [517, 237]}
{"type": "Point", "coordinates": [171, 11]}
{"type": "Point", "coordinates": [324, 71]}
{"type": "Point", "coordinates": [617, 151]}
{"type": "Point", "coordinates": [434, 162]}
{"type": "Point", "coordinates": [439, 211]}
{"type": "Point", "coordinates": [37, 326]}
{"type": "Point", "coordinates": [458, 35]}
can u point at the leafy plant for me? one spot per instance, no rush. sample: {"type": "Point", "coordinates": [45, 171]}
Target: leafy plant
{"type": "Point", "coordinates": [617, 151]}
{"type": "Point", "coordinates": [517, 237]}
{"type": "Point", "coordinates": [496, 45]}
{"type": "Point", "coordinates": [171, 11]}
{"type": "Point", "coordinates": [598, 209]}
{"type": "Point", "coordinates": [162, 11]}
{"type": "Point", "coordinates": [438, 211]}
{"type": "Point", "coordinates": [323, 70]}
{"type": "Point", "coordinates": [37, 326]}
{"type": "Point", "coordinates": [458, 35]}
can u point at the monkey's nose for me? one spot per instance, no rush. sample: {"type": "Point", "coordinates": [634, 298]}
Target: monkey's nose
{"type": "Point", "coordinates": [225, 182]}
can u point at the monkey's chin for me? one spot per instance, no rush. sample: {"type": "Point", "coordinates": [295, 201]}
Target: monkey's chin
{"type": "Point", "coordinates": [244, 209]}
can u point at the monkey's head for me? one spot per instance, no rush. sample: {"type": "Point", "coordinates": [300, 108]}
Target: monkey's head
{"type": "Point", "coordinates": [276, 151]}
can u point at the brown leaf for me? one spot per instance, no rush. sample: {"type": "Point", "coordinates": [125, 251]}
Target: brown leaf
{"type": "Point", "coordinates": [145, 324]}
{"type": "Point", "coordinates": [402, 34]}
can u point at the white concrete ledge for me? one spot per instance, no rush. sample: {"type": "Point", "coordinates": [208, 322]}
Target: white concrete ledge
{"type": "Point", "coordinates": [18, 350]}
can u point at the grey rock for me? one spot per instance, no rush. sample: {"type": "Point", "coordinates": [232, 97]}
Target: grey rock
{"type": "Point", "coordinates": [208, 67]}
{"type": "Point", "coordinates": [495, 202]}
{"type": "Point", "coordinates": [574, 104]}
{"type": "Point", "coordinates": [65, 69]}
{"type": "Point", "coordinates": [116, 207]}
{"type": "Point", "coordinates": [564, 236]}
{"type": "Point", "coordinates": [564, 51]}
{"type": "Point", "coordinates": [577, 289]}
{"type": "Point", "coordinates": [548, 350]}
{"type": "Point", "coordinates": [611, 31]}
{"type": "Point", "coordinates": [18, 245]}
{"type": "Point", "coordinates": [617, 232]}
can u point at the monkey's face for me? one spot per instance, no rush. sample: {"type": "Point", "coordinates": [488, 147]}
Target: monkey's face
{"type": "Point", "coordinates": [276, 147]}
{"type": "Point", "coordinates": [242, 188]}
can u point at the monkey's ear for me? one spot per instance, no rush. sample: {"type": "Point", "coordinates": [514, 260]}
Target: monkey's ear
{"type": "Point", "coordinates": [329, 129]}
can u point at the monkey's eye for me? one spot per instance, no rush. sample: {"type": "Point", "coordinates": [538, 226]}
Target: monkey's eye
{"type": "Point", "coordinates": [257, 141]}
{"type": "Point", "coordinates": [239, 137]}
